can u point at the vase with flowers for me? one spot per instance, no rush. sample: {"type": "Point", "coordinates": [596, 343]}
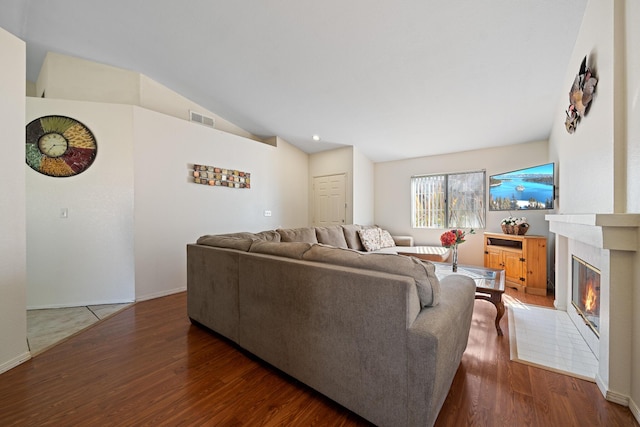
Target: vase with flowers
{"type": "Point", "coordinates": [451, 239]}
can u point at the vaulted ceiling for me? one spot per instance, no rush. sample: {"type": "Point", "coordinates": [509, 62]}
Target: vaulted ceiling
{"type": "Point", "coordinates": [396, 79]}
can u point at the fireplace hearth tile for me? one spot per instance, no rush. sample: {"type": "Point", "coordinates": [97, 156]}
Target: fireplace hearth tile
{"type": "Point", "coordinates": [548, 339]}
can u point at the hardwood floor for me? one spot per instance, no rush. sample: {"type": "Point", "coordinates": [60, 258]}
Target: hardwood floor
{"type": "Point", "coordinates": [490, 390]}
{"type": "Point", "coordinates": [148, 365]}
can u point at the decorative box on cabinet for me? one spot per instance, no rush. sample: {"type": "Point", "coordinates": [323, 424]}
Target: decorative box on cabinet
{"type": "Point", "coordinates": [523, 259]}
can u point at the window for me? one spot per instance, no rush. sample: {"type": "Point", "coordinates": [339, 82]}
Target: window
{"type": "Point", "coordinates": [451, 200]}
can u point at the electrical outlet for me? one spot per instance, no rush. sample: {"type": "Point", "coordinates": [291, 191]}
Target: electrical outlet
{"type": "Point", "coordinates": [267, 213]}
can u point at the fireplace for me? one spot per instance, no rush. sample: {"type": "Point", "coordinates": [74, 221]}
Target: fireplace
{"type": "Point", "coordinates": [585, 296]}
{"type": "Point", "coordinates": [609, 242]}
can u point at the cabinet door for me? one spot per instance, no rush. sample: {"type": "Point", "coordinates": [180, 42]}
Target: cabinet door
{"type": "Point", "coordinates": [493, 258]}
{"type": "Point", "coordinates": [513, 267]}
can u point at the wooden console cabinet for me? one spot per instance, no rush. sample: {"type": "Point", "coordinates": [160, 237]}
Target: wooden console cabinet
{"type": "Point", "coordinates": [523, 259]}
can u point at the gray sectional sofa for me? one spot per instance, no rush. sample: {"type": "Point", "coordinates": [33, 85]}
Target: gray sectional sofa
{"type": "Point", "coordinates": [377, 333]}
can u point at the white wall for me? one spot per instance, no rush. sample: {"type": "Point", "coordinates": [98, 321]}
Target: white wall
{"type": "Point", "coordinates": [633, 104]}
{"type": "Point", "coordinates": [633, 174]}
{"type": "Point", "coordinates": [86, 258]}
{"type": "Point", "coordinates": [586, 157]}
{"type": "Point", "coordinates": [31, 88]}
{"type": "Point", "coordinates": [66, 77]}
{"type": "Point", "coordinates": [393, 192]}
{"type": "Point", "coordinates": [139, 193]}
{"type": "Point", "coordinates": [13, 316]}
{"type": "Point", "coordinates": [171, 210]}
{"type": "Point", "coordinates": [363, 190]}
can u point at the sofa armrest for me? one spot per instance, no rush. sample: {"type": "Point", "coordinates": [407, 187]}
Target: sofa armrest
{"type": "Point", "coordinates": [436, 341]}
{"type": "Point", "coordinates": [403, 240]}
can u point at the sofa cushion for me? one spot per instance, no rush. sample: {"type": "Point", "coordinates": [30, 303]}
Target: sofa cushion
{"type": "Point", "coordinates": [242, 243]}
{"type": "Point", "coordinates": [370, 238]}
{"type": "Point", "coordinates": [332, 235]}
{"type": "Point", "coordinates": [423, 272]}
{"type": "Point", "coordinates": [293, 250]}
{"type": "Point", "coordinates": [241, 240]}
{"type": "Point", "coordinates": [306, 234]}
{"type": "Point", "coordinates": [386, 241]}
{"type": "Point", "coordinates": [269, 236]}
{"type": "Point", "coordinates": [352, 237]}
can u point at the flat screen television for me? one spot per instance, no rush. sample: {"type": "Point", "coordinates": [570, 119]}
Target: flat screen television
{"type": "Point", "coordinates": [523, 189]}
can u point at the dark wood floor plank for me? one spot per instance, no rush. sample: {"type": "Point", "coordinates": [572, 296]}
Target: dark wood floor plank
{"type": "Point", "coordinates": [148, 365]}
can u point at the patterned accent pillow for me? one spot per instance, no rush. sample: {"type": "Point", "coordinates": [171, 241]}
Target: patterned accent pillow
{"type": "Point", "coordinates": [386, 241]}
{"type": "Point", "coordinates": [370, 238]}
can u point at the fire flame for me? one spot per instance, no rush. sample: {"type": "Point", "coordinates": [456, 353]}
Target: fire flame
{"type": "Point", "coordinates": [591, 298]}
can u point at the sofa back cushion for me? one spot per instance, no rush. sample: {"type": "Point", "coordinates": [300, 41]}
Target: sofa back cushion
{"type": "Point", "coordinates": [241, 243]}
{"type": "Point", "coordinates": [293, 250]}
{"type": "Point", "coordinates": [332, 235]}
{"type": "Point", "coordinates": [306, 234]}
{"type": "Point", "coordinates": [269, 236]}
{"type": "Point", "coordinates": [423, 272]}
{"type": "Point", "coordinates": [352, 237]}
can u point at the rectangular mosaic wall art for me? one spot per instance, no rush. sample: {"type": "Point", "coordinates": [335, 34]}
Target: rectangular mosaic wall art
{"type": "Point", "coordinates": [211, 175]}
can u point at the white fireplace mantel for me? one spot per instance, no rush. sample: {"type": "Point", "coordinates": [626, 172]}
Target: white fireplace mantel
{"type": "Point", "coordinates": [604, 231]}
{"type": "Point", "coordinates": [610, 243]}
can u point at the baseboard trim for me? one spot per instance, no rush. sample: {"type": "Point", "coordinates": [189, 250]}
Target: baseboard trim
{"type": "Point", "coordinates": [10, 364]}
{"type": "Point", "coordinates": [635, 410]}
{"type": "Point", "coordinates": [618, 398]}
{"type": "Point", "coordinates": [601, 386]}
{"type": "Point", "coordinates": [612, 396]}
{"type": "Point", "coordinates": [80, 304]}
{"type": "Point", "coordinates": [160, 294]}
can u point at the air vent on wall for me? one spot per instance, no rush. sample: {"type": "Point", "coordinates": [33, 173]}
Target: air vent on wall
{"type": "Point", "coordinates": [202, 119]}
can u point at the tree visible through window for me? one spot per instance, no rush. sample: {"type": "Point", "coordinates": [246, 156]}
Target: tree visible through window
{"type": "Point", "coordinates": [451, 200]}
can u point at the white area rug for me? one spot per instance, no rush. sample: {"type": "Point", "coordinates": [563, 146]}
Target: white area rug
{"type": "Point", "coordinates": [548, 339]}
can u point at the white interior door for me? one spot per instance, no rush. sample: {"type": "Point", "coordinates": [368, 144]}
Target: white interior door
{"type": "Point", "coordinates": [329, 196]}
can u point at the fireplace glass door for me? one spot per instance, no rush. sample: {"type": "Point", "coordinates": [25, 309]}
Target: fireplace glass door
{"type": "Point", "coordinates": [586, 292]}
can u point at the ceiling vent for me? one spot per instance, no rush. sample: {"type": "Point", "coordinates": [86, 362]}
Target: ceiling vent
{"type": "Point", "coordinates": [200, 118]}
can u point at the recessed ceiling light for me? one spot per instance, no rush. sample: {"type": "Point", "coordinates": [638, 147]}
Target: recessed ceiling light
{"type": "Point", "coordinates": [316, 138]}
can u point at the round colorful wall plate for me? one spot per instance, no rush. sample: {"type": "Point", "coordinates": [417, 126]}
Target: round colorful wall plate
{"type": "Point", "coordinates": [59, 146]}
